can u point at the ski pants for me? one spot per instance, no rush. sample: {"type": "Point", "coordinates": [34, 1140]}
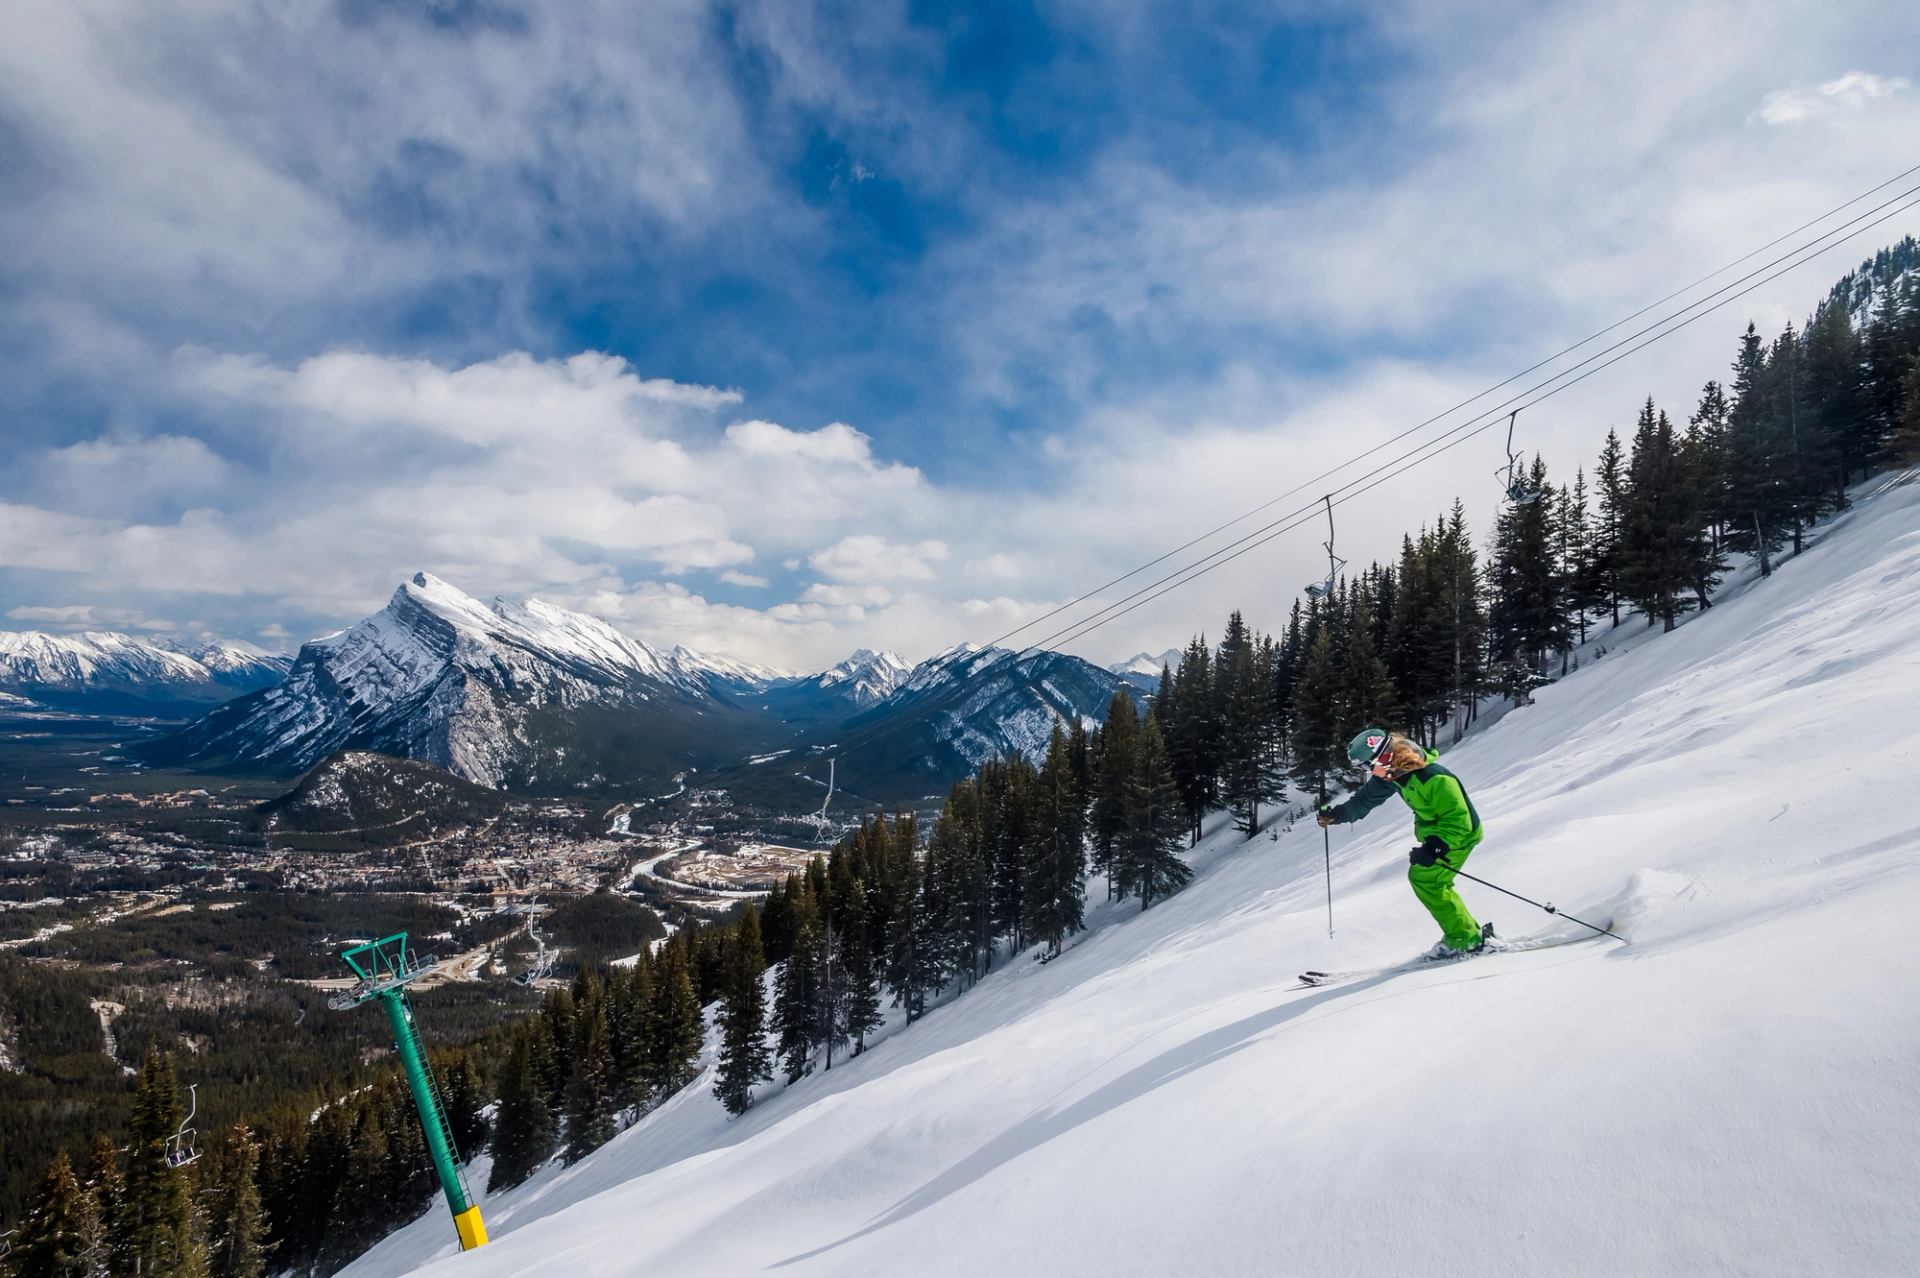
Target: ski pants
{"type": "Point", "coordinates": [1433, 884]}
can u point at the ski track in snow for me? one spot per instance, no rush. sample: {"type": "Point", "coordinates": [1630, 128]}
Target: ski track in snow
{"type": "Point", "coordinates": [1732, 1093]}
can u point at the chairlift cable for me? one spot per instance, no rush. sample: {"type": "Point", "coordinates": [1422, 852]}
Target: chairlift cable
{"type": "Point", "coordinates": [1539, 392]}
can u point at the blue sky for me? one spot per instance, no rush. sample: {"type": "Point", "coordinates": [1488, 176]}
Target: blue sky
{"type": "Point", "coordinates": [781, 328]}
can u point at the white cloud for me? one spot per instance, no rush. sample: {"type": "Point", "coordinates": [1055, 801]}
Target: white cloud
{"type": "Point", "coordinates": [864, 557]}
{"type": "Point", "coordinates": [1849, 93]}
{"type": "Point", "coordinates": [734, 577]}
{"type": "Point", "coordinates": [73, 617]}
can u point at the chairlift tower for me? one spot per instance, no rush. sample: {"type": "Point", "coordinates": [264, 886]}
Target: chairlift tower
{"type": "Point", "coordinates": [385, 968]}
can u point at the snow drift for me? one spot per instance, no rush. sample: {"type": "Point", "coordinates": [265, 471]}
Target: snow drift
{"type": "Point", "coordinates": [1734, 1091]}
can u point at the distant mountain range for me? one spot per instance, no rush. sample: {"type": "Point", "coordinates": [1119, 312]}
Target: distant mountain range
{"type": "Point", "coordinates": [1142, 669]}
{"type": "Point", "coordinates": [525, 695]}
{"type": "Point", "coordinates": [105, 672]}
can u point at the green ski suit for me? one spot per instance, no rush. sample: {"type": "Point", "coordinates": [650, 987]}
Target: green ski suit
{"type": "Point", "coordinates": [1440, 807]}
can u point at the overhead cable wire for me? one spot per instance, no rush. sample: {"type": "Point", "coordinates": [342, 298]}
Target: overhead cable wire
{"type": "Point", "coordinates": [1538, 393]}
{"type": "Point", "coordinates": [1445, 413]}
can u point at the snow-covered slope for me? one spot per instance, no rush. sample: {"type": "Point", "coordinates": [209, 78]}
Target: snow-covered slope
{"type": "Point", "coordinates": [504, 692]}
{"type": "Point", "coordinates": [106, 665]}
{"type": "Point", "coordinates": [1733, 1092]}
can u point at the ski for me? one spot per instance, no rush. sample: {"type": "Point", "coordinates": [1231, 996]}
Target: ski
{"type": "Point", "coordinates": [1314, 979]}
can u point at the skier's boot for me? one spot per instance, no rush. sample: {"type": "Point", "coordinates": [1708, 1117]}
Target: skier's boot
{"type": "Point", "coordinates": [1487, 939]}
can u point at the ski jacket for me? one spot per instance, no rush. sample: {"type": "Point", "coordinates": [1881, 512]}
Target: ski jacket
{"type": "Point", "coordinates": [1439, 802]}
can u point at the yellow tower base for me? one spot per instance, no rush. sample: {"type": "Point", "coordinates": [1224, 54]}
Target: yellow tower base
{"type": "Point", "coordinates": [473, 1230]}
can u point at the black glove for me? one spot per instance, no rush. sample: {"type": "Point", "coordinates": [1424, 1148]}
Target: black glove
{"type": "Point", "coordinates": [1427, 854]}
{"type": "Point", "coordinates": [1326, 816]}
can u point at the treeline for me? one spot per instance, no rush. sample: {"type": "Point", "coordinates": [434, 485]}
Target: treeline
{"type": "Point", "coordinates": [880, 920]}
{"type": "Point", "coordinates": [601, 1053]}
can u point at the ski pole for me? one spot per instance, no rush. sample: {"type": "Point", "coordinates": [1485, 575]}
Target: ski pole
{"type": "Point", "coordinates": [1549, 908]}
{"type": "Point", "coordinates": [1326, 843]}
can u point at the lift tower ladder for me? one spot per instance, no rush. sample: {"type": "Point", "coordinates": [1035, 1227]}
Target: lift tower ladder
{"type": "Point", "coordinates": [385, 968]}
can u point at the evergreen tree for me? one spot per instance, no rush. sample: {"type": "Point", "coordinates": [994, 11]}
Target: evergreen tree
{"type": "Point", "coordinates": [1149, 852]}
{"type": "Point", "coordinates": [460, 1097]}
{"type": "Point", "coordinates": [675, 1027]}
{"type": "Point", "coordinates": [1610, 484]}
{"type": "Point", "coordinates": [1528, 619]}
{"type": "Point", "coordinates": [590, 1121]}
{"type": "Point", "coordinates": [239, 1243]}
{"type": "Point", "coordinates": [1249, 745]}
{"type": "Point", "coordinates": [156, 1216]}
{"type": "Point", "coordinates": [913, 960]}
{"type": "Point", "coordinates": [1367, 694]}
{"type": "Point", "coordinates": [1906, 440]}
{"type": "Point", "coordinates": [102, 1250]}
{"type": "Point", "coordinates": [1056, 880]}
{"type": "Point", "coordinates": [797, 998]}
{"type": "Point", "coordinates": [1113, 771]}
{"type": "Point", "coordinates": [53, 1237]}
{"type": "Point", "coordinates": [744, 1058]}
{"type": "Point", "coordinates": [1318, 750]}
{"type": "Point", "coordinates": [1192, 728]}
{"type": "Point", "coordinates": [1837, 399]}
{"type": "Point", "coordinates": [776, 921]}
{"type": "Point", "coordinates": [1754, 458]}
{"type": "Point", "coordinates": [523, 1124]}
{"type": "Point", "coordinates": [859, 977]}
{"type": "Point", "coordinates": [1658, 545]}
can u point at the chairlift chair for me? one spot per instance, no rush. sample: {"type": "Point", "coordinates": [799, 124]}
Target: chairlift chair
{"type": "Point", "coordinates": [1324, 589]}
{"type": "Point", "coordinates": [1519, 491]}
{"type": "Point", "coordinates": [542, 961]}
{"type": "Point", "coordinates": [180, 1150]}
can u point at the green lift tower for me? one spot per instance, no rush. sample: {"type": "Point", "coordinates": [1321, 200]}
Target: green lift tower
{"type": "Point", "coordinates": [384, 969]}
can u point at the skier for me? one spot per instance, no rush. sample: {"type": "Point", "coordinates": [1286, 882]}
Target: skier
{"type": "Point", "coordinates": [1444, 821]}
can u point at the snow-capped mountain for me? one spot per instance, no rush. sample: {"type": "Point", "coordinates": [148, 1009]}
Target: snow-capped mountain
{"type": "Point", "coordinates": [867, 677]}
{"type": "Point", "coordinates": [107, 670]}
{"type": "Point", "coordinates": [716, 672]}
{"type": "Point", "coordinates": [966, 705]}
{"type": "Point", "coordinates": [1142, 669]}
{"type": "Point", "coordinates": [502, 693]}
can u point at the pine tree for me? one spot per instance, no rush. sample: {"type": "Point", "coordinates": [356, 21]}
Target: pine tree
{"type": "Point", "coordinates": [1906, 440]}
{"type": "Point", "coordinates": [744, 1058]}
{"type": "Point", "coordinates": [53, 1235]}
{"type": "Point", "coordinates": [1658, 550]}
{"type": "Point", "coordinates": [1113, 770]}
{"type": "Point", "coordinates": [1056, 880]}
{"type": "Point", "coordinates": [102, 1251]}
{"type": "Point", "coordinates": [1754, 457]}
{"type": "Point", "coordinates": [1249, 745]}
{"type": "Point", "coordinates": [460, 1097]}
{"type": "Point", "coordinates": [675, 1027]}
{"type": "Point", "coordinates": [1366, 696]}
{"type": "Point", "coordinates": [156, 1217]}
{"type": "Point", "coordinates": [590, 1122]}
{"type": "Point", "coordinates": [1528, 619]}
{"type": "Point", "coordinates": [1610, 483]}
{"type": "Point", "coordinates": [796, 997]}
{"type": "Point", "coordinates": [860, 978]}
{"type": "Point", "coordinates": [523, 1125]}
{"type": "Point", "coordinates": [1318, 750]}
{"type": "Point", "coordinates": [1837, 399]}
{"type": "Point", "coordinates": [1149, 851]}
{"type": "Point", "coordinates": [1709, 447]}
{"type": "Point", "coordinates": [239, 1247]}
{"type": "Point", "coordinates": [1192, 730]}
